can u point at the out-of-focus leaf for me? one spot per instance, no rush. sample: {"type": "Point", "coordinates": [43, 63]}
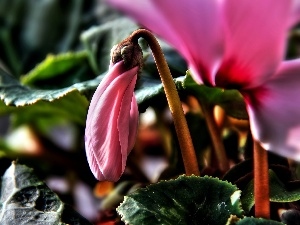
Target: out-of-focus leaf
{"type": "Point", "coordinates": [176, 63]}
{"type": "Point", "coordinates": [55, 65]}
{"type": "Point", "coordinates": [186, 200]}
{"type": "Point", "coordinates": [151, 92]}
{"type": "Point", "coordinates": [66, 102]}
{"type": "Point", "coordinates": [255, 221]}
{"type": "Point", "coordinates": [148, 95]}
{"type": "Point", "coordinates": [72, 106]}
{"type": "Point", "coordinates": [99, 41]}
{"type": "Point", "coordinates": [278, 192]}
{"type": "Point", "coordinates": [27, 200]}
{"type": "Point", "coordinates": [230, 100]}
{"type": "Point", "coordinates": [15, 94]}
{"type": "Point", "coordinates": [242, 173]}
{"type": "Point", "coordinates": [32, 29]}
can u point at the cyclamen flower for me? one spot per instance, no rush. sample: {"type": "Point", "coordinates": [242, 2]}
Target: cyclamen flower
{"type": "Point", "coordinates": [236, 44]}
{"type": "Point", "coordinates": [112, 122]}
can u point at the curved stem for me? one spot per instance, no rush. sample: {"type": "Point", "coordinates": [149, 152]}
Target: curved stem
{"type": "Point", "coordinates": [261, 182]}
{"type": "Point", "coordinates": [215, 137]}
{"type": "Point", "coordinates": [181, 127]}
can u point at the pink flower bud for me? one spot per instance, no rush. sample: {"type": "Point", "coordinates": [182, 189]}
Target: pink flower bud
{"type": "Point", "coordinates": [112, 122]}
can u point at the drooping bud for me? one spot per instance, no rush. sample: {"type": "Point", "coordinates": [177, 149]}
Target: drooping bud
{"type": "Point", "coordinates": [112, 119]}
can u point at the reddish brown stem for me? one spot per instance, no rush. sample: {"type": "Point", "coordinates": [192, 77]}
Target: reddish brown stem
{"type": "Point", "coordinates": [181, 127]}
{"type": "Point", "coordinates": [261, 182]}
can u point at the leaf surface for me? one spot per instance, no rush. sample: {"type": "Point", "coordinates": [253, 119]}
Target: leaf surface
{"type": "Point", "coordinates": [25, 199]}
{"type": "Point", "coordinates": [186, 200]}
{"type": "Point", "coordinates": [278, 192]}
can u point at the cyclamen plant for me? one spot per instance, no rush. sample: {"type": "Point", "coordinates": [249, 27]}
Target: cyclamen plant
{"type": "Point", "coordinates": [231, 45]}
{"type": "Point", "coordinates": [206, 165]}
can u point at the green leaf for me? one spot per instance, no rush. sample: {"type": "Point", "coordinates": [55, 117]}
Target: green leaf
{"type": "Point", "coordinates": [278, 192]}
{"type": "Point", "coordinates": [55, 65]}
{"type": "Point", "coordinates": [149, 95]}
{"type": "Point", "coordinates": [15, 94]}
{"type": "Point", "coordinates": [26, 199]}
{"type": "Point", "coordinates": [151, 92]}
{"type": "Point", "coordinates": [98, 41]}
{"type": "Point", "coordinates": [186, 200]}
{"type": "Point", "coordinates": [230, 100]}
{"type": "Point", "coordinates": [30, 30]}
{"type": "Point", "coordinates": [257, 221]}
{"type": "Point", "coordinates": [28, 103]}
{"type": "Point", "coordinates": [72, 106]}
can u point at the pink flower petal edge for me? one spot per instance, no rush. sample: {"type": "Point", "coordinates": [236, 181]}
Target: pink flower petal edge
{"type": "Point", "coordinates": [233, 44]}
{"type": "Point", "coordinates": [111, 123]}
{"type": "Point", "coordinates": [295, 13]}
{"type": "Point", "coordinates": [227, 43]}
{"type": "Point", "coordinates": [274, 111]}
{"type": "Point", "coordinates": [254, 48]}
{"type": "Point", "coordinates": [194, 28]}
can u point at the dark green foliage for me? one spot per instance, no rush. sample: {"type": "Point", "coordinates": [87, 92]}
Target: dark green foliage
{"type": "Point", "coordinates": [25, 199]}
{"type": "Point", "coordinates": [185, 200]}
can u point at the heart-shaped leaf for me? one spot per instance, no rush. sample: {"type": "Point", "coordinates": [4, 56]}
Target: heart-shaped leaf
{"type": "Point", "coordinates": [25, 199]}
{"type": "Point", "coordinates": [278, 192]}
{"type": "Point", "coordinates": [185, 200]}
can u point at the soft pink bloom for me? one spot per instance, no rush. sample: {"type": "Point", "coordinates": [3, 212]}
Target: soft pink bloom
{"type": "Point", "coordinates": [112, 122]}
{"type": "Point", "coordinates": [236, 44]}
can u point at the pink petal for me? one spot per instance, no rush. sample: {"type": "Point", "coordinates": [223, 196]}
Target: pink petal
{"type": "Point", "coordinates": [274, 111]}
{"type": "Point", "coordinates": [192, 27]}
{"type": "Point", "coordinates": [134, 113]}
{"type": "Point", "coordinates": [255, 41]}
{"type": "Point", "coordinates": [127, 127]}
{"type": "Point", "coordinates": [107, 134]}
{"type": "Point", "coordinates": [295, 18]}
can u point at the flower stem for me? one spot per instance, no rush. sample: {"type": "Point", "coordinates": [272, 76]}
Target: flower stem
{"type": "Point", "coordinates": [215, 137]}
{"type": "Point", "coordinates": [181, 127]}
{"type": "Point", "coordinates": [261, 182]}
